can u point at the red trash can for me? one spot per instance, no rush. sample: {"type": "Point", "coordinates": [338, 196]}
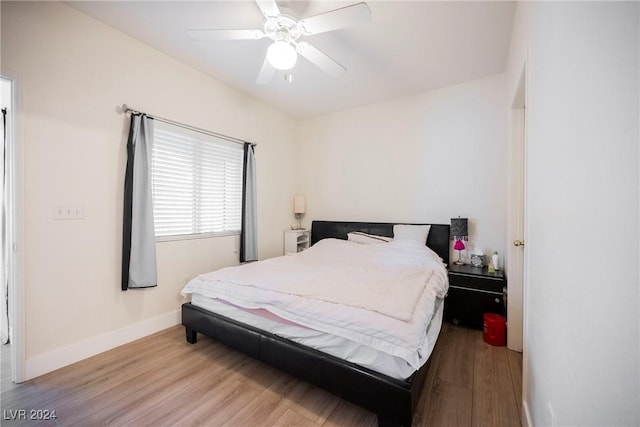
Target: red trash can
{"type": "Point", "coordinates": [495, 329]}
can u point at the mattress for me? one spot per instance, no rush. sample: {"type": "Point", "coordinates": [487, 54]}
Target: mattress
{"type": "Point", "coordinates": [343, 348]}
{"type": "Point", "coordinates": [358, 292]}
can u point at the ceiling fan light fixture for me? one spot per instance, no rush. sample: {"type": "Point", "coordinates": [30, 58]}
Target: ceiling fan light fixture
{"type": "Point", "coordinates": [281, 55]}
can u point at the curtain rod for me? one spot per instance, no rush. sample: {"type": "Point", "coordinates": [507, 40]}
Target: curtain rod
{"type": "Point", "coordinates": [126, 109]}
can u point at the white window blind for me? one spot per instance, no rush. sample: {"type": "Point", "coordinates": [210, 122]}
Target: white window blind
{"type": "Point", "coordinates": [196, 183]}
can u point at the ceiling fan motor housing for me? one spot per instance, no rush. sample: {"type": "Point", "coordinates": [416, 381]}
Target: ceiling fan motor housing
{"type": "Point", "coordinates": [282, 27]}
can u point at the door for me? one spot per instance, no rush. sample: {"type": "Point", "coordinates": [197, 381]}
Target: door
{"type": "Point", "coordinates": [516, 218]}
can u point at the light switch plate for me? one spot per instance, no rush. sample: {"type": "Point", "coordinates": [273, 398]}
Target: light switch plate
{"type": "Point", "coordinates": [68, 212]}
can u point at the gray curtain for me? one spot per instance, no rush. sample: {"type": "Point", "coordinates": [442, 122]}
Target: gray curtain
{"type": "Point", "coordinates": [249, 231]}
{"type": "Point", "coordinates": [138, 242]}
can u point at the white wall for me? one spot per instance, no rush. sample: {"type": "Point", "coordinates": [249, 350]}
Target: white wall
{"type": "Point", "coordinates": [73, 73]}
{"type": "Point", "coordinates": [422, 158]}
{"type": "Point", "coordinates": [582, 294]}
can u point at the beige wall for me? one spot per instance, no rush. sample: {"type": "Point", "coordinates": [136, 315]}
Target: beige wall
{"type": "Point", "coordinates": [422, 158]}
{"type": "Point", "coordinates": [427, 157]}
{"type": "Point", "coordinates": [73, 73]}
{"type": "Point", "coordinates": [581, 297]}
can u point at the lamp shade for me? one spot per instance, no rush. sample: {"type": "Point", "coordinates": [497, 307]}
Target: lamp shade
{"type": "Point", "coordinates": [459, 227]}
{"type": "Point", "coordinates": [299, 204]}
{"type": "Point", "coordinates": [459, 245]}
{"type": "Point", "coordinates": [281, 55]}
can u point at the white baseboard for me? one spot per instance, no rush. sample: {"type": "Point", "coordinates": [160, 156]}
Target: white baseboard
{"type": "Point", "coordinates": [67, 355]}
{"type": "Point", "coordinates": [526, 415]}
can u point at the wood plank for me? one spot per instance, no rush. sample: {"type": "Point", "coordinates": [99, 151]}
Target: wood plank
{"type": "Point", "coordinates": [194, 390]}
{"type": "Point", "coordinates": [156, 407]}
{"type": "Point", "coordinates": [77, 392]}
{"type": "Point", "coordinates": [224, 402]}
{"type": "Point", "coordinates": [457, 367]}
{"type": "Point", "coordinates": [493, 397]}
{"type": "Point", "coordinates": [292, 419]}
{"type": "Point", "coordinates": [515, 367]}
{"type": "Point", "coordinates": [126, 393]}
{"type": "Point", "coordinates": [314, 403]}
{"type": "Point", "coordinates": [268, 406]}
{"type": "Point", "coordinates": [348, 414]}
{"type": "Point", "coordinates": [450, 376]}
{"type": "Point", "coordinates": [162, 380]}
{"type": "Point", "coordinates": [445, 405]}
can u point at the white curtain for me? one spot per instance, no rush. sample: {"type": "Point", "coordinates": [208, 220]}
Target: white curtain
{"type": "Point", "coordinates": [249, 231]}
{"type": "Point", "coordinates": [139, 242]}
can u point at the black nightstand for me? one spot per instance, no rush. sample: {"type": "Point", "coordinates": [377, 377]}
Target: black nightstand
{"type": "Point", "coordinates": [474, 291]}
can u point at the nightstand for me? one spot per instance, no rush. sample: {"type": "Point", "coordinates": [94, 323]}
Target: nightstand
{"type": "Point", "coordinates": [296, 241]}
{"type": "Point", "coordinates": [474, 291]}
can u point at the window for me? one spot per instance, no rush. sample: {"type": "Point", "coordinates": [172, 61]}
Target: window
{"type": "Point", "coordinates": [196, 182]}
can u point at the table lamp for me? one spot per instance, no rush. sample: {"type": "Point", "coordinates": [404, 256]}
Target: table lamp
{"type": "Point", "coordinates": [459, 233]}
{"type": "Point", "coordinates": [299, 207]}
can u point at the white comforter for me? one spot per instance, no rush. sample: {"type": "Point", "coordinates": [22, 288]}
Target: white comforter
{"type": "Point", "coordinates": [380, 295]}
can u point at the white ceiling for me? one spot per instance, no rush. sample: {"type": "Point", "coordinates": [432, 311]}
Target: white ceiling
{"type": "Point", "coordinates": [408, 47]}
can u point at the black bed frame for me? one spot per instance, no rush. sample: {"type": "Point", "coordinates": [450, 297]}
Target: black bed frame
{"type": "Point", "coordinates": [393, 400]}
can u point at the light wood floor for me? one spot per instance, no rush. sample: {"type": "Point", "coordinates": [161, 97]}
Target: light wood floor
{"type": "Point", "coordinates": [161, 380]}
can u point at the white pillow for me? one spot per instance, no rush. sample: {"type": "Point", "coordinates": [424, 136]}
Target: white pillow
{"type": "Point", "coordinates": [360, 237]}
{"type": "Point", "coordinates": [412, 232]}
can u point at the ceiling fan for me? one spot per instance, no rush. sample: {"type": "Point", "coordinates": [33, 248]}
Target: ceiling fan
{"type": "Point", "coordinates": [286, 31]}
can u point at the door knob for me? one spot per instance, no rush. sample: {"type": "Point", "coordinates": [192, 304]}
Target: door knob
{"type": "Point", "coordinates": [518, 243]}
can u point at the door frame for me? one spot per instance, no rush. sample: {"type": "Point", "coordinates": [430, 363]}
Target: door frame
{"type": "Point", "coordinates": [516, 215]}
{"type": "Point", "coordinates": [517, 226]}
{"type": "Point", "coordinates": [15, 209]}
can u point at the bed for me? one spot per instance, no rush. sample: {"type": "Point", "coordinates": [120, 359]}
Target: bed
{"type": "Point", "coordinates": [391, 396]}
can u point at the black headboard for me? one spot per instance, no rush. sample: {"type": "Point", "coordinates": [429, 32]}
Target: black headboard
{"type": "Point", "coordinates": [438, 239]}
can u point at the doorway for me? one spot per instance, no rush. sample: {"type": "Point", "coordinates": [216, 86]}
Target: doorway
{"type": "Point", "coordinates": [517, 230]}
{"type": "Point", "coordinates": [516, 217]}
{"type": "Point", "coordinates": [11, 361]}
{"type": "Point", "coordinates": [6, 90]}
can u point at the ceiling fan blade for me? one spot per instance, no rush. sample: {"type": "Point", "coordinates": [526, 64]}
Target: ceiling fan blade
{"type": "Point", "coordinates": [269, 8]}
{"type": "Point", "coordinates": [319, 59]}
{"type": "Point", "coordinates": [215, 35]}
{"type": "Point", "coordinates": [266, 73]}
{"type": "Point", "coordinates": [335, 19]}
